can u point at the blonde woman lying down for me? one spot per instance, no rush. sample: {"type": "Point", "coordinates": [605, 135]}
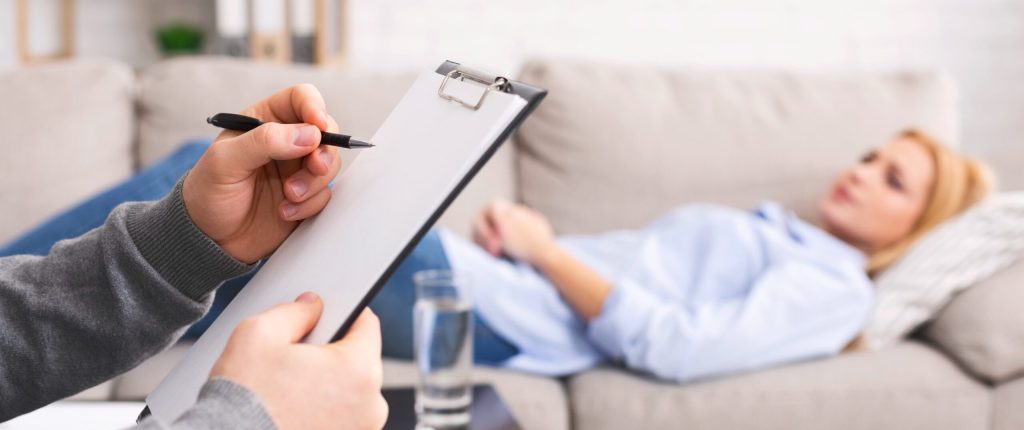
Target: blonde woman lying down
{"type": "Point", "coordinates": [704, 290]}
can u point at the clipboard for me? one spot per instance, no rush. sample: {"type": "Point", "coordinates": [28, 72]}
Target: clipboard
{"type": "Point", "coordinates": [456, 117]}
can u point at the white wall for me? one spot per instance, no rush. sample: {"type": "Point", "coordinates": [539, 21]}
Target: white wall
{"type": "Point", "coordinates": [7, 31]}
{"type": "Point", "coordinates": [980, 42]}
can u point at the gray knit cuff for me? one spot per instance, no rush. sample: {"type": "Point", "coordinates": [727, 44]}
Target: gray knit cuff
{"type": "Point", "coordinates": [224, 403]}
{"type": "Point", "coordinates": [181, 253]}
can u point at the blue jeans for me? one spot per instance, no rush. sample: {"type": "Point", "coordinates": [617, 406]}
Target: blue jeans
{"type": "Point", "coordinates": [394, 303]}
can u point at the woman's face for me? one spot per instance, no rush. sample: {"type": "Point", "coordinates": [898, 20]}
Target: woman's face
{"type": "Point", "coordinates": [877, 201]}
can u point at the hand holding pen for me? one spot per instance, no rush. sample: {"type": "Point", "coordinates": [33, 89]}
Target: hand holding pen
{"type": "Point", "coordinates": [250, 190]}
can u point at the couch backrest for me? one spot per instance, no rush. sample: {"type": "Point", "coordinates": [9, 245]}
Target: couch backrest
{"type": "Point", "coordinates": [65, 134]}
{"type": "Point", "coordinates": [615, 146]}
{"type": "Point", "coordinates": [176, 96]}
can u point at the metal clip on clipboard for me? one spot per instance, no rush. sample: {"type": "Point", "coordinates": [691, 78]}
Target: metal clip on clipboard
{"type": "Point", "coordinates": [463, 73]}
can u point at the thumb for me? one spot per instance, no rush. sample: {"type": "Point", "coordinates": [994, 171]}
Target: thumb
{"type": "Point", "coordinates": [290, 322]}
{"type": "Point", "coordinates": [271, 141]}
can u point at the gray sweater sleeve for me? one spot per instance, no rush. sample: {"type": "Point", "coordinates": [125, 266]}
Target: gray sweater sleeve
{"type": "Point", "coordinates": [222, 404]}
{"type": "Point", "coordinates": [100, 304]}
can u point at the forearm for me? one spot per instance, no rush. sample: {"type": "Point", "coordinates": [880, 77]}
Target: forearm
{"type": "Point", "coordinates": [793, 311]}
{"type": "Point", "coordinates": [582, 287]}
{"type": "Point", "coordinates": [98, 305]}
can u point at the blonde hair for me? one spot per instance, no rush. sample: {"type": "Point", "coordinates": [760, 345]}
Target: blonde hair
{"type": "Point", "coordinates": [959, 183]}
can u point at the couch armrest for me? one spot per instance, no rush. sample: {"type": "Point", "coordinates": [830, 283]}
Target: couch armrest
{"type": "Point", "coordinates": [983, 327]}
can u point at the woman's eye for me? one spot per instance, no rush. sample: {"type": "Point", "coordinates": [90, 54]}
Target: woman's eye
{"type": "Point", "coordinates": [894, 182]}
{"type": "Point", "coordinates": [867, 158]}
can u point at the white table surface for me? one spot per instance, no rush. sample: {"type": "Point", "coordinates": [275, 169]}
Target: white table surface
{"type": "Point", "coordinates": [83, 415]}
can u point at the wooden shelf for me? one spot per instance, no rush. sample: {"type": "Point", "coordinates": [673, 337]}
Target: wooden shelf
{"type": "Point", "coordinates": [67, 26]}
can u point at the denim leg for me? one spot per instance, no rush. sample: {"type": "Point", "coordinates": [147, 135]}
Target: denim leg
{"type": "Point", "coordinates": [151, 183]}
{"type": "Point", "coordinates": [394, 306]}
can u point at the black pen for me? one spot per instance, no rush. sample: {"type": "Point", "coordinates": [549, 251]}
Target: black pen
{"type": "Point", "coordinates": [236, 122]}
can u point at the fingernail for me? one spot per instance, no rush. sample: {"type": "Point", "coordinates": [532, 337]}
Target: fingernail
{"type": "Point", "coordinates": [289, 210]}
{"type": "Point", "coordinates": [298, 187]}
{"type": "Point", "coordinates": [325, 155]}
{"type": "Point", "coordinates": [305, 135]}
{"type": "Point", "coordinates": [306, 297]}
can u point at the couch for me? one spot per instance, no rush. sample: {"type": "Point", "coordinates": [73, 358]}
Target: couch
{"type": "Point", "coordinates": [613, 146]}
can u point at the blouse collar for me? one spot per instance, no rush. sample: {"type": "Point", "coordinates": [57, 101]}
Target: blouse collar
{"type": "Point", "coordinates": [808, 234]}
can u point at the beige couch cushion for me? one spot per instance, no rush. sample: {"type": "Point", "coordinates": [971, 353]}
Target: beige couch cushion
{"type": "Point", "coordinates": [1007, 413]}
{"type": "Point", "coordinates": [615, 146]}
{"type": "Point", "coordinates": [176, 97]}
{"type": "Point", "coordinates": [983, 327]}
{"type": "Point", "coordinates": [908, 387]}
{"type": "Point", "coordinates": [67, 134]}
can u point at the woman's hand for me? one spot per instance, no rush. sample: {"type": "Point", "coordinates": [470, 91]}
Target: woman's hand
{"type": "Point", "coordinates": [515, 230]}
{"type": "Point", "coordinates": [249, 191]}
{"type": "Point", "coordinates": [525, 234]}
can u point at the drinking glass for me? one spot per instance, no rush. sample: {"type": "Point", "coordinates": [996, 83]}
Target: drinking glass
{"type": "Point", "coordinates": [443, 349]}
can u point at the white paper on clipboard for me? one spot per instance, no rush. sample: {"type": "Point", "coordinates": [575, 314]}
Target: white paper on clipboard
{"type": "Point", "coordinates": [424, 149]}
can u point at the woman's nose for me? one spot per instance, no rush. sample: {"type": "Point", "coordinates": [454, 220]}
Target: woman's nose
{"type": "Point", "coordinates": [857, 174]}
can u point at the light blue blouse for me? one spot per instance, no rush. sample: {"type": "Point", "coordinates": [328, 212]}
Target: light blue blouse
{"type": "Point", "coordinates": [705, 290]}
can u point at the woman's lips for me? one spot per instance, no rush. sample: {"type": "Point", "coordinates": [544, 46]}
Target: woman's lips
{"type": "Point", "coordinates": [841, 194]}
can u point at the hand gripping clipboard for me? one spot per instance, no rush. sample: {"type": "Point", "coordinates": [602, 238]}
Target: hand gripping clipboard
{"type": "Point", "coordinates": [446, 127]}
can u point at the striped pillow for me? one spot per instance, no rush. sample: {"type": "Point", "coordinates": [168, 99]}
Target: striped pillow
{"type": "Point", "coordinates": [959, 253]}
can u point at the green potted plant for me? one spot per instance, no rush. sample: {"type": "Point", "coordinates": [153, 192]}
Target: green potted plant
{"type": "Point", "coordinates": [179, 39]}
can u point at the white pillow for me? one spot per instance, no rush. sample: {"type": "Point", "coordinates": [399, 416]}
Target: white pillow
{"type": "Point", "coordinates": [959, 253]}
